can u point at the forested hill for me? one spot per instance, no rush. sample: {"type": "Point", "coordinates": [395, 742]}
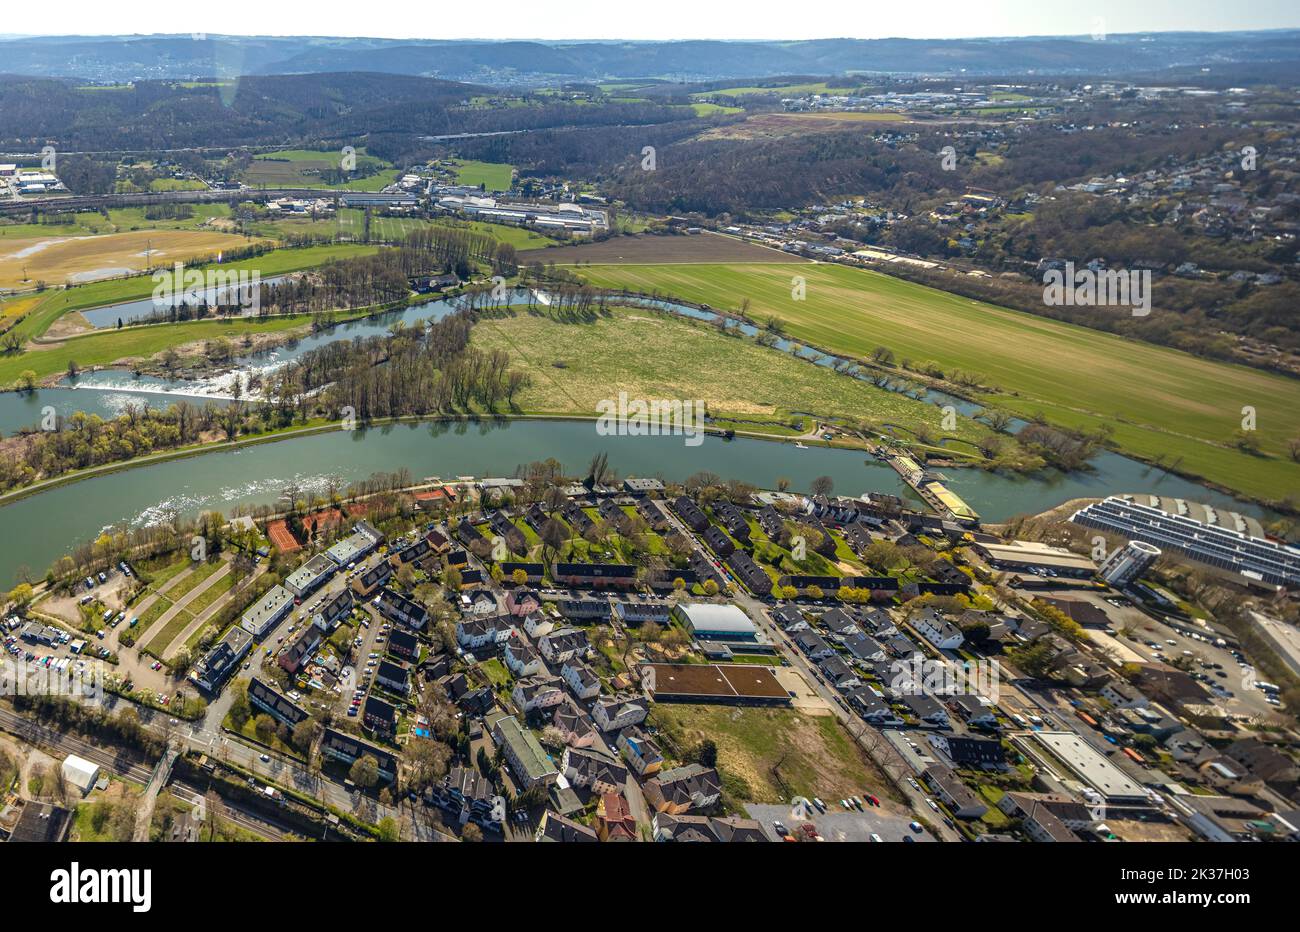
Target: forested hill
{"type": "Point", "coordinates": [128, 58]}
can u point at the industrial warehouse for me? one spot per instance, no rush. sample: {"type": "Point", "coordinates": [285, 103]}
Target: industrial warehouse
{"type": "Point", "coordinates": [1253, 558]}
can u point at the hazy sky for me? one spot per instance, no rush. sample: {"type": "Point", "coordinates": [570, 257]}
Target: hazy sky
{"type": "Point", "coordinates": [647, 19]}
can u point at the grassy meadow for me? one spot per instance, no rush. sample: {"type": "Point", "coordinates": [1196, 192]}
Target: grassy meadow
{"type": "Point", "coordinates": [1158, 401]}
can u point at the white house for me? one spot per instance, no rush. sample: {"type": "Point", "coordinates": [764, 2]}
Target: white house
{"type": "Point", "coordinates": [619, 712]}
{"type": "Point", "coordinates": [581, 680]}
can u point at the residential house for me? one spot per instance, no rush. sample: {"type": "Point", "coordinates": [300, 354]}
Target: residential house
{"type": "Point", "coordinates": [473, 633]}
{"type": "Point", "coordinates": [684, 828]}
{"type": "Point", "coordinates": [813, 645]}
{"type": "Point", "coordinates": [614, 819]}
{"type": "Point", "coordinates": [641, 753]}
{"type": "Point", "coordinates": [400, 610]}
{"type": "Point", "coordinates": [403, 644]}
{"type": "Point", "coordinates": [574, 724]}
{"type": "Point", "coordinates": [976, 711]}
{"type": "Point", "coordinates": [583, 767]}
{"type": "Point", "coordinates": [537, 624]}
{"type": "Point", "coordinates": [839, 623]}
{"type": "Point", "coordinates": [520, 658]}
{"type": "Point", "coordinates": [263, 696]}
{"type": "Point", "coordinates": [529, 763]}
{"type": "Point", "coordinates": [837, 673]}
{"type": "Point", "coordinates": [370, 581]}
{"type": "Point", "coordinates": [379, 715]}
{"type": "Point", "coordinates": [927, 709]}
{"type": "Point", "coordinates": [580, 679]}
{"type": "Point", "coordinates": [393, 677]}
{"type": "Point", "coordinates": [618, 712]}
{"type": "Point", "coordinates": [864, 648]}
{"type": "Point", "coordinates": [555, 827]}
{"type": "Point", "coordinates": [971, 753]}
{"type": "Point", "coordinates": [468, 796]}
{"type": "Point", "coordinates": [538, 692]}
{"type": "Point", "coordinates": [682, 789]}
{"type": "Point", "coordinates": [563, 645]}
{"type": "Point", "coordinates": [953, 793]}
{"type": "Point", "coordinates": [940, 632]}
{"type": "Point", "coordinates": [690, 513]}
{"type": "Point", "coordinates": [347, 749]}
{"type": "Point", "coordinates": [1037, 815]}
{"type": "Point", "coordinates": [595, 575]}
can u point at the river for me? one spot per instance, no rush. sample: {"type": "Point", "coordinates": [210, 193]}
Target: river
{"type": "Point", "coordinates": [39, 529]}
{"type": "Point", "coordinates": [53, 521]}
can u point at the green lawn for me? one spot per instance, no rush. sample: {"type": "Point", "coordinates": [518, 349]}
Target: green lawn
{"type": "Point", "coordinates": [302, 168]}
{"type": "Point", "coordinates": [495, 176]}
{"type": "Point", "coordinates": [1158, 401]}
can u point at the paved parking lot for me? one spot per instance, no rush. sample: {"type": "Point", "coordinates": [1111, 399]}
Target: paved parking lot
{"type": "Point", "coordinates": [837, 825]}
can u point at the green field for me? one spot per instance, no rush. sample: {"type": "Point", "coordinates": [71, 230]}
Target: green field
{"type": "Point", "coordinates": [819, 87]}
{"type": "Point", "coordinates": [302, 168]}
{"type": "Point", "coordinates": [1160, 402]}
{"type": "Point", "coordinates": [648, 355]}
{"type": "Point", "coordinates": [494, 176]}
{"type": "Point", "coordinates": [119, 220]}
{"type": "Point", "coordinates": [704, 109]}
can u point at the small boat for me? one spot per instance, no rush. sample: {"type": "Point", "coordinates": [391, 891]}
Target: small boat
{"type": "Point", "coordinates": [799, 445]}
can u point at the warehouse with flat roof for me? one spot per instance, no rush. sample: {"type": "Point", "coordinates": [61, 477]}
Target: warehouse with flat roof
{"type": "Point", "coordinates": [1028, 556]}
{"type": "Point", "coordinates": [707, 621]}
{"type": "Point", "coordinates": [1086, 765]}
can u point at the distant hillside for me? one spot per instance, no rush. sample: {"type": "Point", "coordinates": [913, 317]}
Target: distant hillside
{"type": "Point", "coordinates": [139, 57]}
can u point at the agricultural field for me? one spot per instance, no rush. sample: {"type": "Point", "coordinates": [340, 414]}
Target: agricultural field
{"type": "Point", "coordinates": [494, 176]}
{"type": "Point", "coordinates": [301, 168]}
{"type": "Point", "coordinates": [119, 220]}
{"type": "Point", "coordinates": [57, 260]}
{"type": "Point", "coordinates": [706, 109]}
{"type": "Point", "coordinates": [651, 250]}
{"type": "Point", "coordinates": [770, 755]}
{"type": "Point", "coordinates": [775, 125]}
{"type": "Point", "coordinates": [656, 355]}
{"type": "Point", "coordinates": [1159, 402]}
{"type": "Point", "coordinates": [787, 90]}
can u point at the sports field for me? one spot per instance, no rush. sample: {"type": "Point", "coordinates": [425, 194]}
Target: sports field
{"type": "Point", "coordinates": [57, 260]}
{"type": "Point", "coordinates": [1160, 402]}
